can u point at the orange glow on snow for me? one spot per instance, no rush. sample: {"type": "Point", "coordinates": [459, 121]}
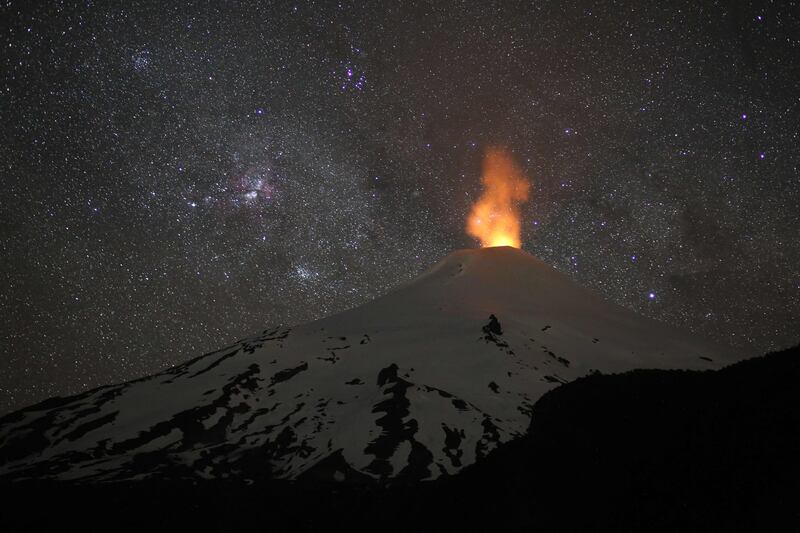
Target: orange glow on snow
{"type": "Point", "coordinates": [495, 218]}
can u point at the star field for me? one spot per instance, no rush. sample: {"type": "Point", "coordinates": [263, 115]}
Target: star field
{"type": "Point", "coordinates": [178, 175]}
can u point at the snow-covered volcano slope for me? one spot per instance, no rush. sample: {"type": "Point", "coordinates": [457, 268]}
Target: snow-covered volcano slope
{"type": "Point", "coordinates": [416, 384]}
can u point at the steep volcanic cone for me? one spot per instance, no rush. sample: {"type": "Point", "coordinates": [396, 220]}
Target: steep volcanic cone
{"type": "Point", "coordinates": [495, 218]}
{"type": "Point", "coordinates": [414, 385]}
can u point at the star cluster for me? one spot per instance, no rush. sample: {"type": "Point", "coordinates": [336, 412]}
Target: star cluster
{"type": "Point", "coordinates": [178, 175]}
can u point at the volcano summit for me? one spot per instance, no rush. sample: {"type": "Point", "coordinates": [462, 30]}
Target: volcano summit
{"type": "Point", "coordinates": [414, 385]}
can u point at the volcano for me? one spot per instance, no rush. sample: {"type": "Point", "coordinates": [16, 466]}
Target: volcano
{"type": "Point", "coordinates": [414, 385]}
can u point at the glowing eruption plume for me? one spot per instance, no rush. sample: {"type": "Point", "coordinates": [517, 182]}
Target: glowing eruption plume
{"type": "Point", "coordinates": [495, 218]}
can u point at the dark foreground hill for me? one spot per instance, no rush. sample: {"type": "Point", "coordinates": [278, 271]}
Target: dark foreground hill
{"type": "Point", "coordinates": [666, 450]}
{"type": "Point", "coordinates": [645, 450]}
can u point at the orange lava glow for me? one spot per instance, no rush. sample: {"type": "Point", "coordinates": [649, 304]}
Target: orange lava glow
{"type": "Point", "coordinates": [495, 218]}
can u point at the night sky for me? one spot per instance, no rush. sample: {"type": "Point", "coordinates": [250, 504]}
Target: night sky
{"type": "Point", "coordinates": [178, 175]}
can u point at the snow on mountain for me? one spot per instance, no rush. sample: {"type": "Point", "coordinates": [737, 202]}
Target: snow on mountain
{"type": "Point", "coordinates": [413, 385]}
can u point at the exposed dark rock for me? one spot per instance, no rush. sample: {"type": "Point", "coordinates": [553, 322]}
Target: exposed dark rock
{"type": "Point", "coordinates": [452, 444]}
{"type": "Point", "coordinates": [332, 358]}
{"type": "Point", "coordinates": [419, 462]}
{"type": "Point", "coordinates": [393, 429]}
{"type": "Point", "coordinates": [334, 468]}
{"type": "Point", "coordinates": [493, 327]}
{"type": "Point", "coordinates": [440, 392]}
{"type": "Point", "coordinates": [561, 360]}
{"type": "Point", "coordinates": [86, 427]}
{"type": "Point", "coordinates": [216, 363]}
{"type": "Point", "coordinates": [490, 438]}
{"type": "Point", "coordinates": [287, 374]}
{"type": "Point", "coordinates": [460, 404]}
{"type": "Point", "coordinates": [492, 330]}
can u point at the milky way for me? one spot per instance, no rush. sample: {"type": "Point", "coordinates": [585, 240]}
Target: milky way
{"type": "Point", "coordinates": [177, 175]}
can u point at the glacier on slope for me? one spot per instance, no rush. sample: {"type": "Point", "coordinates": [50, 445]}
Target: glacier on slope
{"type": "Point", "coordinates": [413, 385]}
